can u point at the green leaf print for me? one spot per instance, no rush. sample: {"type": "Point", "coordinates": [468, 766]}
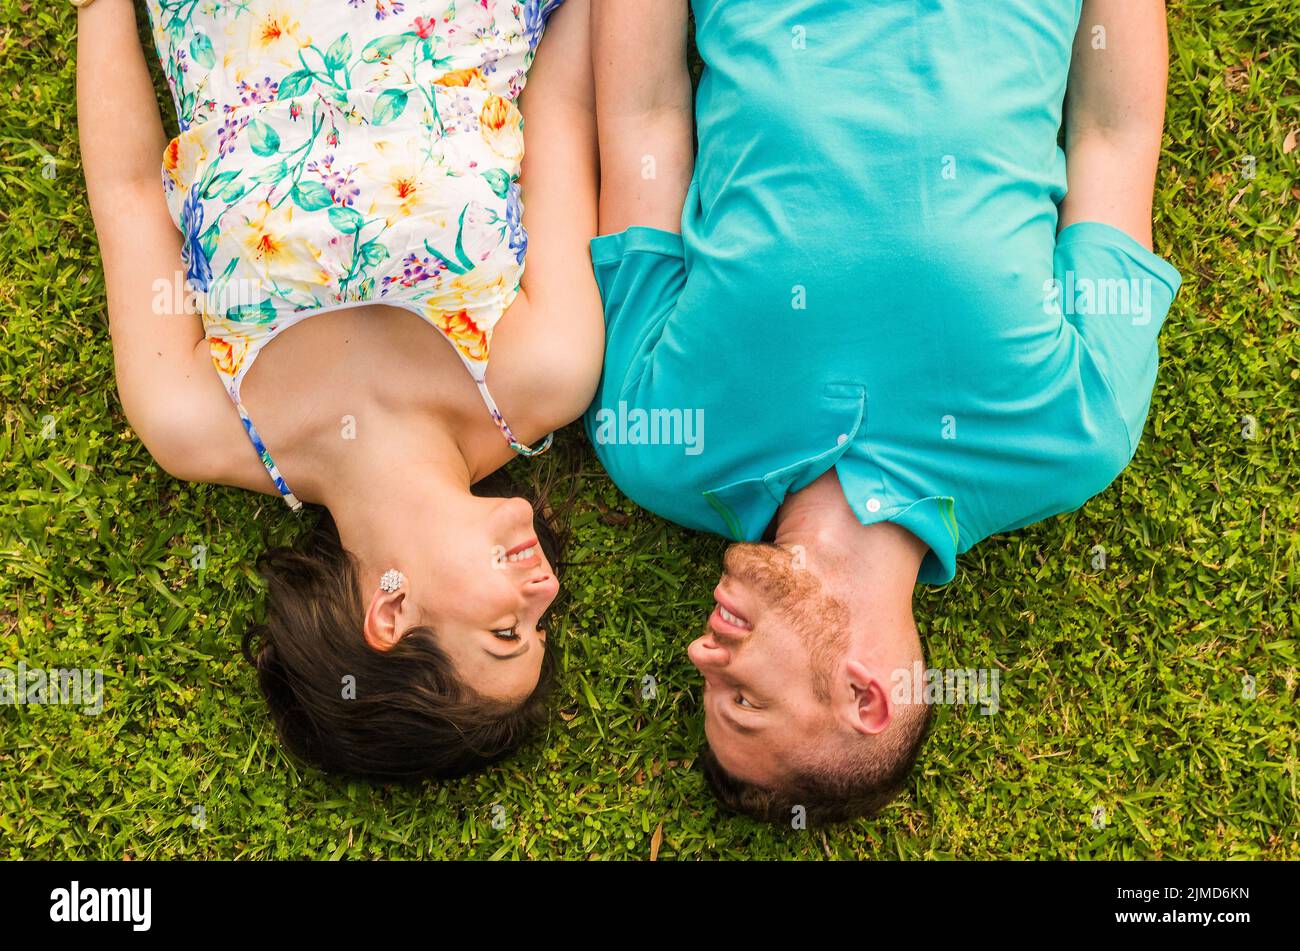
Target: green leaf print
{"type": "Point", "coordinates": [233, 192]}
{"type": "Point", "coordinates": [346, 220]}
{"type": "Point", "coordinates": [295, 84]}
{"type": "Point", "coordinates": [498, 180]}
{"type": "Point", "coordinates": [311, 196]}
{"type": "Point", "coordinates": [272, 173]}
{"type": "Point", "coordinates": [340, 51]}
{"type": "Point", "coordinates": [389, 105]}
{"type": "Point", "coordinates": [384, 46]}
{"type": "Point", "coordinates": [218, 183]}
{"type": "Point", "coordinates": [447, 262]}
{"type": "Point", "coordinates": [372, 252]}
{"type": "Point", "coordinates": [208, 240]}
{"type": "Point", "coordinates": [201, 51]}
{"type": "Point", "coordinates": [220, 283]}
{"type": "Point", "coordinates": [460, 242]}
{"type": "Point", "coordinates": [264, 139]}
{"type": "Point", "coordinates": [252, 313]}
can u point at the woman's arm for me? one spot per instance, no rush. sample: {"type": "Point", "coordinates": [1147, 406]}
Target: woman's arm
{"type": "Point", "coordinates": [1114, 114]}
{"type": "Point", "coordinates": [547, 354]}
{"type": "Point", "coordinates": [643, 112]}
{"type": "Point", "coordinates": [170, 395]}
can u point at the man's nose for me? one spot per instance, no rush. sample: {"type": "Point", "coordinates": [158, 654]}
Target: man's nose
{"type": "Point", "coordinates": [706, 653]}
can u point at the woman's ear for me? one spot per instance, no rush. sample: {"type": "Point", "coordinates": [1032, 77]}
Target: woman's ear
{"type": "Point", "coordinates": [381, 627]}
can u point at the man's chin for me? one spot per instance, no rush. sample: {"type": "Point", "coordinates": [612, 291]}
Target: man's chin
{"type": "Point", "coordinates": [768, 572]}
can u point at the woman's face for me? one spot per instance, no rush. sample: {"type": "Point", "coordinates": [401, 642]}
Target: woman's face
{"type": "Point", "coordinates": [479, 578]}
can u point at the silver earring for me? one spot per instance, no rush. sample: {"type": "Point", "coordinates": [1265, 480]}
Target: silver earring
{"type": "Point", "coordinates": [391, 580]}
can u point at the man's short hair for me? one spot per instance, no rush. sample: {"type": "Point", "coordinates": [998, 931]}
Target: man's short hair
{"type": "Point", "coordinates": [854, 778]}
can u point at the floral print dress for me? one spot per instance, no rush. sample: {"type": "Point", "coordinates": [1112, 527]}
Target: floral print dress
{"type": "Point", "coordinates": [341, 152]}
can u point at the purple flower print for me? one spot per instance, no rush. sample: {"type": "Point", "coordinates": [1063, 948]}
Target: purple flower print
{"type": "Point", "coordinates": [340, 182]}
{"type": "Point", "coordinates": [226, 135]}
{"type": "Point", "coordinates": [263, 91]}
{"type": "Point", "coordinates": [517, 235]}
{"type": "Point", "coordinates": [415, 270]}
{"type": "Point", "coordinates": [383, 8]}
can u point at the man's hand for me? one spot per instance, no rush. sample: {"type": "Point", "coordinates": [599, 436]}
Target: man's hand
{"type": "Point", "coordinates": [1114, 114]}
{"type": "Point", "coordinates": [643, 112]}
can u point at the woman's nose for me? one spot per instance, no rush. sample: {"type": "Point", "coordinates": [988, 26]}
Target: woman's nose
{"type": "Point", "coordinates": [521, 510]}
{"type": "Point", "coordinates": [542, 588]}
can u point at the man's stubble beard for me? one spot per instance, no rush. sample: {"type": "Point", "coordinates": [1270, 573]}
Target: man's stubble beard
{"type": "Point", "coordinates": [798, 596]}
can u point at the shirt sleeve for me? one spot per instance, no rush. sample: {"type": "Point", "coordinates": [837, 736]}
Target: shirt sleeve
{"type": "Point", "coordinates": [641, 273]}
{"type": "Point", "coordinates": [1116, 294]}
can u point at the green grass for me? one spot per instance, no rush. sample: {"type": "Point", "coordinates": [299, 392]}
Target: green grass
{"type": "Point", "coordinates": [1122, 688]}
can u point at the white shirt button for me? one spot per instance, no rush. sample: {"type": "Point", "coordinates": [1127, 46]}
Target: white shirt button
{"type": "Point", "coordinates": [873, 505]}
{"type": "Point", "coordinates": [841, 439]}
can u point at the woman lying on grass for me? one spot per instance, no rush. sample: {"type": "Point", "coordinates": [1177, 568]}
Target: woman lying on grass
{"type": "Point", "coordinates": [360, 163]}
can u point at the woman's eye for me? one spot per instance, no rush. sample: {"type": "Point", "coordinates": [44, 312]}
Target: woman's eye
{"type": "Point", "coordinates": [506, 635]}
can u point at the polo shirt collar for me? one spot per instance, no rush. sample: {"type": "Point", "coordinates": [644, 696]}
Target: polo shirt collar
{"type": "Point", "coordinates": [745, 508]}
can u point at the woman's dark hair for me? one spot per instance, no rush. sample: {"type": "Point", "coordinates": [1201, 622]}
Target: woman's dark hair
{"type": "Point", "coordinates": [387, 716]}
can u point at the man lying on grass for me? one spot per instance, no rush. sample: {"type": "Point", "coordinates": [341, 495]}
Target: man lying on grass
{"type": "Point", "coordinates": [901, 332]}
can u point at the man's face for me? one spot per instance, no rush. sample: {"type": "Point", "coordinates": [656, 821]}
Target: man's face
{"type": "Point", "coordinates": [773, 642]}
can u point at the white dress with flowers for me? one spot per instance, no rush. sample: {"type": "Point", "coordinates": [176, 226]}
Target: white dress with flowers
{"type": "Point", "coordinates": [339, 152]}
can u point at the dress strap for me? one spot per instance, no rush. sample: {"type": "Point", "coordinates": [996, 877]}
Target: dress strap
{"type": "Point", "coordinates": [271, 468]}
{"type": "Point", "coordinates": [502, 425]}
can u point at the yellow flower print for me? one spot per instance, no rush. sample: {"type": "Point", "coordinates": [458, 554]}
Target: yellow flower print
{"type": "Point", "coordinates": [472, 78]}
{"type": "Point", "coordinates": [503, 128]}
{"type": "Point", "coordinates": [183, 158]}
{"type": "Point", "coordinates": [272, 246]}
{"type": "Point", "coordinates": [228, 352]}
{"type": "Point", "coordinates": [470, 339]}
{"type": "Point", "coordinates": [467, 309]}
{"type": "Point", "coordinates": [271, 36]}
{"type": "Point", "coordinates": [483, 290]}
{"type": "Point", "coordinates": [400, 187]}
{"type": "Point", "coordinates": [274, 30]}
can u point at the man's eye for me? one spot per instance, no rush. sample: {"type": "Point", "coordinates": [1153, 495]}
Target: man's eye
{"type": "Point", "coordinates": [506, 635]}
{"type": "Point", "coordinates": [742, 702]}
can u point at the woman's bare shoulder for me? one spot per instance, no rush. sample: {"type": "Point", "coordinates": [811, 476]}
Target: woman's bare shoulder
{"type": "Point", "coordinates": [193, 431]}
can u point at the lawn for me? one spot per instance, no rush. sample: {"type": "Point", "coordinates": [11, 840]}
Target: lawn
{"type": "Point", "coordinates": [1148, 707]}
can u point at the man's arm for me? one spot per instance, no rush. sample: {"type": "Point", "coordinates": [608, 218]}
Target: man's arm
{"type": "Point", "coordinates": [1114, 114]}
{"type": "Point", "coordinates": [1115, 110]}
{"type": "Point", "coordinates": [167, 398]}
{"type": "Point", "coordinates": [643, 112]}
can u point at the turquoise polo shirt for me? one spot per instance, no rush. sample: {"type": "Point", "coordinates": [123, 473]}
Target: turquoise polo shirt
{"type": "Point", "coordinates": [869, 277]}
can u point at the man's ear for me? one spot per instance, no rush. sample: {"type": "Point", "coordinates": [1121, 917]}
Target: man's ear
{"type": "Point", "coordinates": [871, 712]}
{"type": "Point", "coordinates": [381, 624]}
